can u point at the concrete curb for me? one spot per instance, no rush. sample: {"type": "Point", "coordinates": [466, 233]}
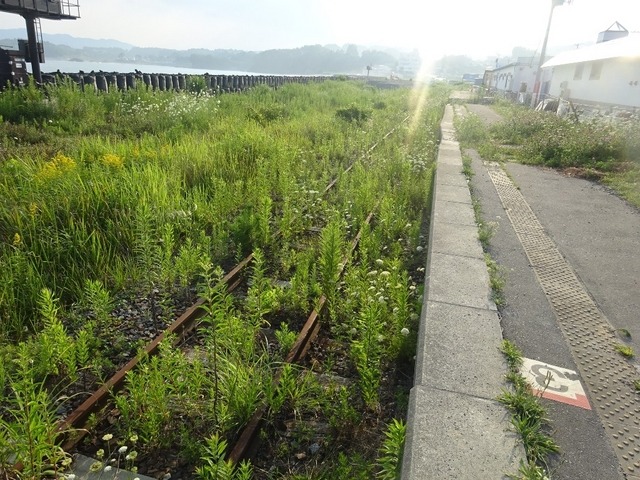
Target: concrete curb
{"type": "Point", "coordinates": [455, 427]}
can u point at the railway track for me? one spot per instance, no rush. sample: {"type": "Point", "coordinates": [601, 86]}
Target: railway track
{"type": "Point", "coordinates": [187, 323]}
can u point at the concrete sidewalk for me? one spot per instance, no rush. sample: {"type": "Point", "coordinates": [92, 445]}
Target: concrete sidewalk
{"type": "Point", "coordinates": [456, 428]}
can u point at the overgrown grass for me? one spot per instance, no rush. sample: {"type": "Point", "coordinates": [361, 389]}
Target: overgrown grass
{"type": "Point", "coordinates": [154, 203]}
{"type": "Point", "coordinates": [598, 148]}
{"type": "Point", "coordinates": [102, 207]}
{"type": "Point", "coordinates": [529, 418]}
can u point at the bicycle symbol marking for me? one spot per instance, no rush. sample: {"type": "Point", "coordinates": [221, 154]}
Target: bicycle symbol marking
{"type": "Point", "coordinates": [548, 380]}
{"type": "Point", "coordinates": [555, 383]}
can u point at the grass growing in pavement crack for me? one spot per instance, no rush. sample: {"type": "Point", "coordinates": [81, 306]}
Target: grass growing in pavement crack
{"type": "Point", "coordinates": [486, 230]}
{"type": "Point", "coordinates": [624, 350]}
{"type": "Point", "coordinates": [529, 418]}
{"type": "Point", "coordinates": [497, 281]}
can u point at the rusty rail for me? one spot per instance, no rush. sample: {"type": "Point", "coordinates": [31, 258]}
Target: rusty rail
{"type": "Point", "coordinates": [72, 426]}
{"type": "Point", "coordinates": [247, 442]}
{"type": "Point", "coordinates": [182, 326]}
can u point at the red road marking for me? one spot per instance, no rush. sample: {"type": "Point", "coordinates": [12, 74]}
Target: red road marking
{"type": "Point", "coordinates": [555, 383]}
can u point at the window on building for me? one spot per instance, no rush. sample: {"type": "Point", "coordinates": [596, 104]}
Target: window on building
{"type": "Point", "coordinates": [578, 73]}
{"type": "Point", "coordinates": [596, 70]}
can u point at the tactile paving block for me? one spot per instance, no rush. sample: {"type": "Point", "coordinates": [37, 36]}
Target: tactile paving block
{"type": "Point", "coordinates": [608, 377]}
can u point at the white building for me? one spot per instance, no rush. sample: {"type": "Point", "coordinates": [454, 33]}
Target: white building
{"type": "Point", "coordinates": [515, 77]}
{"type": "Point", "coordinates": [607, 73]}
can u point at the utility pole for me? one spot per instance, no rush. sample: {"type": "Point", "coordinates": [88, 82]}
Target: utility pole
{"type": "Point", "coordinates": [536, 85]}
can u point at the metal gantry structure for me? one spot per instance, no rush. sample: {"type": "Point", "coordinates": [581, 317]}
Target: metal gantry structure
{"type": "Point", "coordinates": [32, 11]}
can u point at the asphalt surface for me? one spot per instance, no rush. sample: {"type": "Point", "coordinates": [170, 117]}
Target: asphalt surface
{"type": "Point", "coordinates": [598, 234]}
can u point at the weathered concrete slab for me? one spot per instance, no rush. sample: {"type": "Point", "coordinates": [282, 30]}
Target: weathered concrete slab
{"type": "Point", "coordinates": [456, 429]}
{"type": "Point", "coordinates": [451, 169]}
{"type": "Point", "coordinates": [460, 281]}
{"type": "Point", "coordinates": [449, 152]}
{"type": "Point", "coordinates": [454, 193]}
{"type": "Point", "coordinates": [456, 239]}
{"type": "Point", "coordinates": [454, 436]}
{"type": "Point", "coordinates": [450, 157]}
{"type": "Point", "coordinates": [472, 338]}
{"type": "Point", "coordinates": [454, 179]}
{"type": "Point", "coordinates": [454, 212]}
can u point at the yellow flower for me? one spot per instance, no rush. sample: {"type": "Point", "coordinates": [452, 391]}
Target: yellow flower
{"type": "Point", "coordinates": [17, 240]}
{"type": "Point", "coordinates": [63, 162]}
{"type": "Point", "coordinates": [33, 209]}
{"type": "Point", "coordinates": [112, 160]}
{"type": "Point", "coordinates": [56, 167]}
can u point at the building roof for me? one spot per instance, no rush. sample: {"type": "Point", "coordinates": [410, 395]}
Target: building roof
{"type": "Point", "coordinates": [627, 47]}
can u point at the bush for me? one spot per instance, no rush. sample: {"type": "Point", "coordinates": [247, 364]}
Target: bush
{"type": "Point", "coordinates": [353, 114]}
{"type": "Point", "coordinates": [569, 144]}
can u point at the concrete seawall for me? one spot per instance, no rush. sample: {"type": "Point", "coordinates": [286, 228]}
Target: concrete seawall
{"type": "Point", "coordinates": [105, 81]}
{"type": "Point", "coordinates": [455, 427]}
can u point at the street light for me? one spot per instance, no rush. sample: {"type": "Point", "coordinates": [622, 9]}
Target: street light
{"type": "Point", "coordinates": [536, 85]}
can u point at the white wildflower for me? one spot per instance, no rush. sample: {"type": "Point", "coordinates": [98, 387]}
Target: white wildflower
{"type": "Point", "coordinates": [122, 449]}
{"type": "Point", "coordinates": [404, 331]}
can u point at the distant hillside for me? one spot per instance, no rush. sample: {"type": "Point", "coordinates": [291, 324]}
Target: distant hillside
{"type": "Point", "coordinates": [64, 39]}
{"type": "Point", "coordinates": [307, 60]}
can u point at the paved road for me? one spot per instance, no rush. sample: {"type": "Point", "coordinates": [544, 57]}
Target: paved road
{"type": "Point", "coordinates": [598, 235]}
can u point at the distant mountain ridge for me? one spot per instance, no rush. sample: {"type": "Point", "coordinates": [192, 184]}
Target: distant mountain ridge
{"type": "Point", "coordinates": [64, 39]}
{"type": "Point", "coordinates": [310, 59]}
{"type": "Point", "coordinates": [307, 60]}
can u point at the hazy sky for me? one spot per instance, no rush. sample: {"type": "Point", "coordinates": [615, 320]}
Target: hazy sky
{"type": "Point", "coordinates": [477, 28]}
